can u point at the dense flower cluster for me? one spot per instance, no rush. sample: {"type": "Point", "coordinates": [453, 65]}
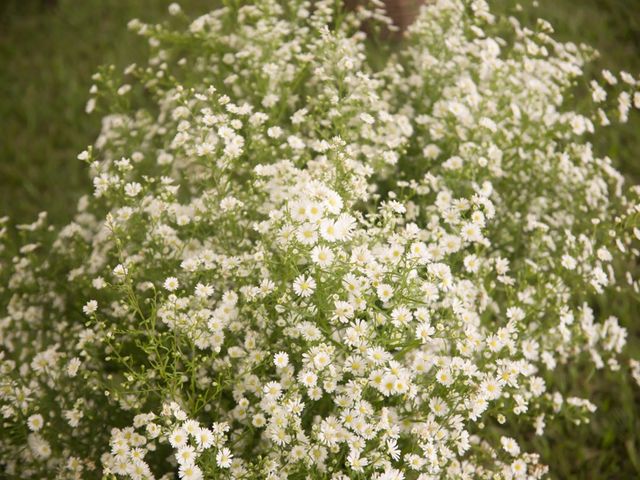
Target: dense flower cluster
{"type": "Point", "coordinates": [306, 258]}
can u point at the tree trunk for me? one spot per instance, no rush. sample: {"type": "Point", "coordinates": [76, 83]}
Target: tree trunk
{"type": "Point", "coordinates": [401, 12]}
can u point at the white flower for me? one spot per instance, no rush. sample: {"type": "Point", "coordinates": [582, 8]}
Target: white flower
{"type": "Point", "coordinates": [191, 427]}
{"type": "Point", "coordinates": [308, 378]}
{"type": "Point", "coordinates": [295, 142]}
{"type": "Point", "coordinates": [204, 438]}
{"type": "Point", "coordinates": [203, 290]}
{"type": "Point", "coordinates": [272, 390]}
{"type": "Point", "coordinates": [35, 422]}
{"type": "Point", "coordinates": [598, 94]}
{"type": "Point", "coordinates": [515, 313]}
{"type": "Point", "coordinates": [274, 132]}
{"type": "Point", "coordinates": [174, 9]}
{"type": "Point", "coordinates": [73, 417]}
{"type": "Point", "coordinates": [609, 77]}
{"type": "Point", "coordinates": [510, 446]}
{"type": "Point", "coordinates": [569, 262]}
{"type": "Point", "coordinates": [224, 457]}
{"type": "Point", "coordinates": [171, 284]}
{"type": "Point", "coordinates": [431, 151]}
{"type": "Point", "coordinates": [401, 316]}
{"type": "Point", "coordinates": [190, 472]}
{"type": "Point", "coordinates": [90, 307]}
{"type": "Point", "coordinates": [438, 406]}
{"type": "Point", "coordinates": [366, 118]}
{"type": "Point", "coordinates": [343, 227]}
{"type": "Point", "coordinates": [333, 202]}
{"type": "Point", "coordinates": [39, 446]}
{"type": "Point", "coordinates": [281, 360]}
{"type": "Point", "coordinates": [491, 389]}
{"type": "Point", "coordinates": [186, 455]}
{"type": "Point", "coordinates": [323, 256]}
{"type": "Point", "coordinates": [90, 106]}
{"type": "Point", "coordinates": [444, 377]}
{"type": "Point", "coordinates": [73, 366]}
{"type": "Point", "coordinates": [392, 448]}
{"type": "Point", "coordinates": [307, 234]}
{"type": "Point", "coordinates": [424, 332]}
{"type": "Point", "coordinates": [385, 292]}
{"type": "Point", "coordinates": [321, 360]}
{"type": "Point", "coordinates": [519, 469]}
{"type": "Point", "coordinates": [304, 286]}
{"type": "Point", "coordinates": [258, 420]}
{"type": "Point", "coordinates": [343, 311]}
{"type": "Point", "coordinates": [388, 385]}
{"type": "Point", "coordinates": [178, 438]}
{"type": "Point", "coordinates": [356, 462]}
{"type": "Point", "coordinates": [120, 271]}
{"type": "Point", "coordinates": [132, 189]}
{"type": "Point", "coordinates": [124, 89]}
{"type": "Point", "coordinates": [328, 230]}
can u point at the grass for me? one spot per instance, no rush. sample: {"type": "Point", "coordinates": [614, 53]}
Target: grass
{"type": "Point", "coordinates": [48, 54]}
{"type": "Point", "coordinates": [613, 28]}
{"type": "Point", "coordinates": [609, 447]}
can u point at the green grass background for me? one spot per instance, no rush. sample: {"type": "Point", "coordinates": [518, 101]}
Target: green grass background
{"type": "Point", "coordinates": [48, 51]}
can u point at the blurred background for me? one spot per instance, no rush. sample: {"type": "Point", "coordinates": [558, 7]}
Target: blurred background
{"type": "Point", "coordinates": [50, 48]}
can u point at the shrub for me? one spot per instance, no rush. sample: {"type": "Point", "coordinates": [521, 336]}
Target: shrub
{"type": "Point", "coordinates": [308, 255]}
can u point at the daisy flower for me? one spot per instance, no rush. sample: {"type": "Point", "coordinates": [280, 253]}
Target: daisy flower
{"type": "Point", "coordinates": [304, 286]}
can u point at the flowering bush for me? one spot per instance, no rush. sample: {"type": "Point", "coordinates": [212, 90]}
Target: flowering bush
{"type": "Point", "coordinates": [310, 256]}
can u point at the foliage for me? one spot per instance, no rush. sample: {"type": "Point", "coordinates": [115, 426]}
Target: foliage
{"type": "Point", "coordinates": [305, 259]}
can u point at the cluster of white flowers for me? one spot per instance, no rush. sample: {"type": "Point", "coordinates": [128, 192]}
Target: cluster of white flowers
{"type": "Point", "coordinates": [192, 444]}
{"type": "Point", "coordinates": [310, 260]}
